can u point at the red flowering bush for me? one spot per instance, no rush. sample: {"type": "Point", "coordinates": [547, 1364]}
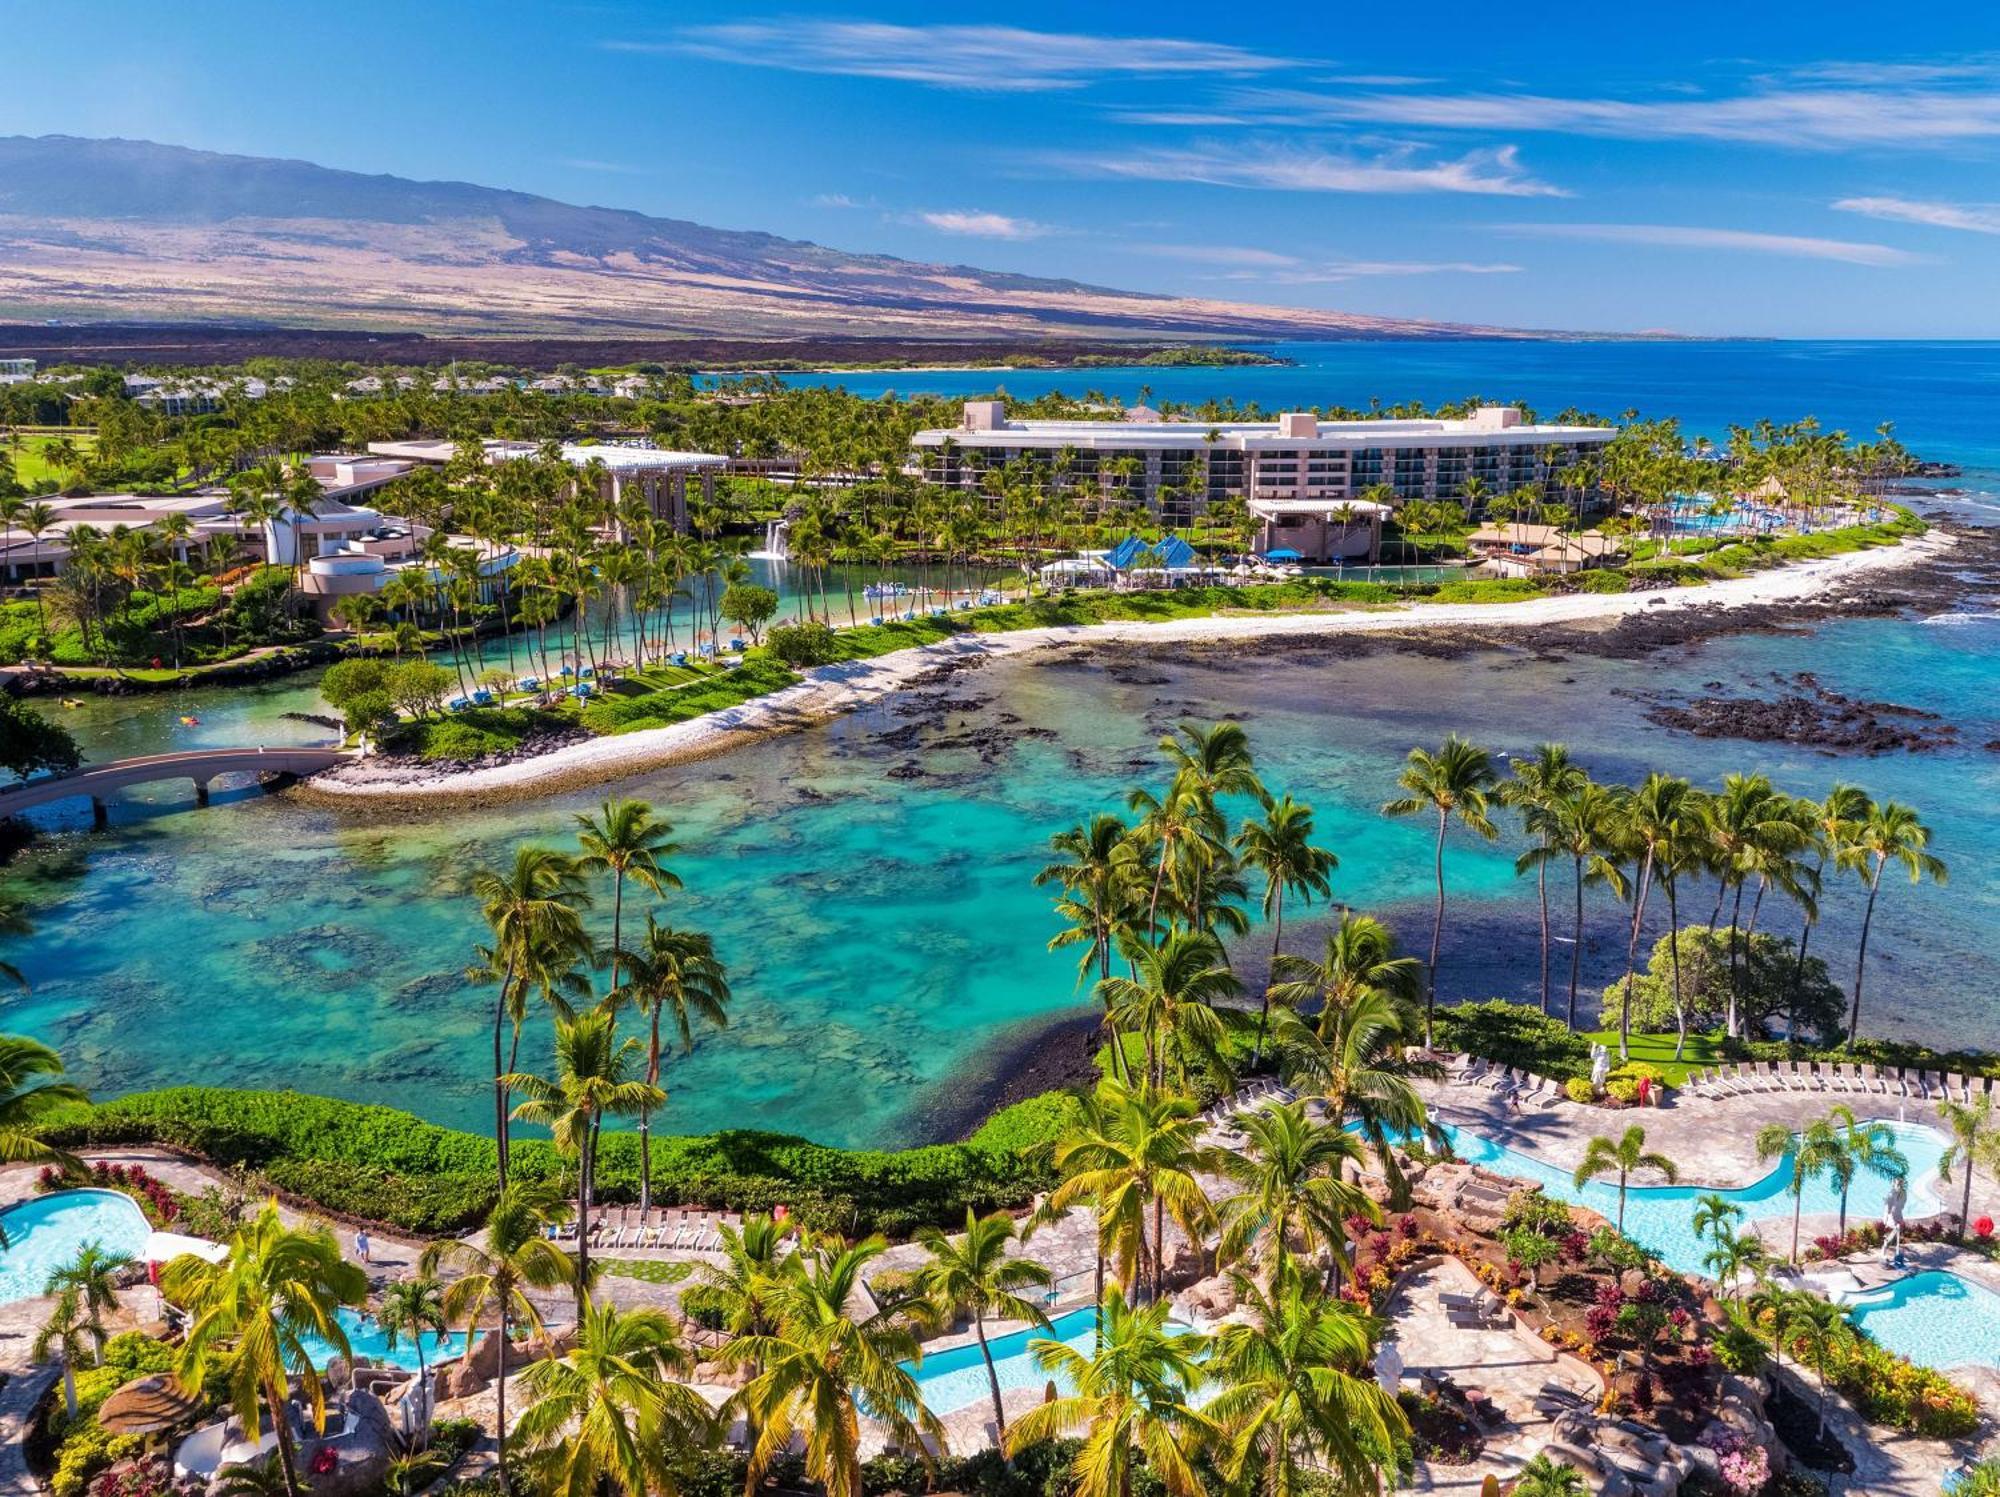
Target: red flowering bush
{"type": "Point", "coordinates": [1983, 1228]}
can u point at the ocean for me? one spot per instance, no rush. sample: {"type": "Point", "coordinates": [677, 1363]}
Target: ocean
{"type": "Point", "coordinates": [869, 883]}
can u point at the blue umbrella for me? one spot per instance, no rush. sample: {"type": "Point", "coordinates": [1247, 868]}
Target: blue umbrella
{"type": "Point", "coordinates": [1283, 553]}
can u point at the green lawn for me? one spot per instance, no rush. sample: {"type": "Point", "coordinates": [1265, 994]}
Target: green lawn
{"type": "Point", "coordinates": [652, 1271]}
{"type": "Point", "coordinates": [31, 467]}
{"type": "Point", "coordinates": [1658, 1050]}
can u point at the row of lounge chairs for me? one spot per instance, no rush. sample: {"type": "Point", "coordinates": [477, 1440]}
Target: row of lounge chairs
{"type": "Point", "coordinates": [1223, 1114]}
{"type": "Point", "coordinates": [1522, 1084]}
{"type": "Point", "coordinates": [1835, 1076]}
{"type": "Point", "coordinates": [624, 1227]}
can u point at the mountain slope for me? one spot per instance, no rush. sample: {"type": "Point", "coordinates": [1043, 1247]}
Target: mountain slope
{"type": "Point", "coordinates": [97, 229]}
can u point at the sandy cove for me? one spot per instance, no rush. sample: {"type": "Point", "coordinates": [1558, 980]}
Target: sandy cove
{"type": "Point", "coordinates": [828, 691]}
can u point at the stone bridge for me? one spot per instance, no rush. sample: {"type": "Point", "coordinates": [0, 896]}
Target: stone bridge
{"type": "Point", "coordinates": [197, 765]}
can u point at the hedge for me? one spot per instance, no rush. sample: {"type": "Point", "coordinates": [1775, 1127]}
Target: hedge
{"type": "Point", "coordinates": [385, 1165]}
{"type": "Point", "coordinates": [1514, 1034]}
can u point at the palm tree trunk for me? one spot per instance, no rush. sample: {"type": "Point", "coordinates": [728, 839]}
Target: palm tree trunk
{"type": "Point", "coordinates": [1542, 893]}
{"type": "Point", "coordinates": [1674, 955]}
{"type": "Point", "coordinates": [1861, 957]}
{"type": "Point", "coordinates": [500, 1390]}
{"type": "Point", "coordinates": [499, 1070]}
{"type": "Point", "coordinates": [1632, 958]}
{"type": "Point", "coordinates": [1575, 950]}
{"type": "Point", "coordinates": [69, 1388]}
{"type": "Point", "coordinates": [1437, 939]}
{"type": "Point", "coordinates": [617, 924]}
{"type": "Point", "coordinates": [1798, 1209]}
{"type": "Point", "coordinates": [281, 1423]}
{"type": "Point", "coordinates": [586, 1155]}
{"type": "Point", "coordinates": [1277, 935]}
{"type": "Point", "coordinates": [992, 1383]}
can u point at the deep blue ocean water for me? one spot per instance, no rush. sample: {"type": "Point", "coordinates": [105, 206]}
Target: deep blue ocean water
{"type": "Point", "coordinates": [883, 931]}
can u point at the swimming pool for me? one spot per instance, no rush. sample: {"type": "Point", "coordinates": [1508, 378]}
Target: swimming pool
{"type": "Point", "coordinates": [949, 1380]}
{"type": "Point", "coordinates": [1935, 1318]}
{"type": "Point", "coordinates": [1661, 1216]}
{"type": "Point", "coordinates": [368, 1342]}
{"type": "Point", "coordinates": [45, 1233]}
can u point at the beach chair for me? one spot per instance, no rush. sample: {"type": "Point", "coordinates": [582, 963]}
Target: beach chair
{"type": "Point", "coordinates": [1960, 1090]}
{"type": "Point", "coordinates": [1935, 1080]}
{"type": "Point", "coordinates": [1770, 1077]}
{"type": "Point", "coordinates": [1870, 1080]}
{"type": "Point", "coordinates": [1837, 1078]}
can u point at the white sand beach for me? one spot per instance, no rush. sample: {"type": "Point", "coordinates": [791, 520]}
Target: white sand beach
{"type": "Point", "coordinates": [831, 690]}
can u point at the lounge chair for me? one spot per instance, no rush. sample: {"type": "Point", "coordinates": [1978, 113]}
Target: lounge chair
{"type": "Point", "coordinates": [1770, 1077]}
{"type": "Point", "coordinates": [1870, 1080]}
{"type": "Point", "coordinates": [1839, 1079]}
{"type": "Point", "coordinates": [1959, 1089]}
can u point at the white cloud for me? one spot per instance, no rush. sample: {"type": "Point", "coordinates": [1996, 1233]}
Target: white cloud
{"type": "Point", "coordinates": [1005, 59]}
{"type": "Point", "coordinates": [977, 224]}
{"type": "Point", "coordinates": [835, 200]}
{"type": "Point", "coordinates": [1347, 270]}
{"type": "Point", "coordinates": [1812, 115]}
{"type": "Point", "coordinates": [1974, 218]}
{"type": "Point", "coordinates": [1216, 254]}
{"type": "Point", "coordinates": [1495, 172]}
{"type": "Point", "coordinates": [618, 168]}
{"type": "Point", "coordinates": [1678, 236]}
{"type": "Point", "coordinates": [1175, 117]}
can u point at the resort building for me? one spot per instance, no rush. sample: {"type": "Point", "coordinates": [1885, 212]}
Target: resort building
{"type": "Point", "coordinates": [24, 556]}
{"type": "Point", "coordinates": [660, 476]}
{"type": "Point", "coordinates": [16, 371]}
{"type": "Point", "coordinates": [1530, 550]}
{"type": "Point", "coordinates": [1299, 467]}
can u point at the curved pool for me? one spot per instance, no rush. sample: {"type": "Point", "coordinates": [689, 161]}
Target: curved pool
{"type": "Point", "coordinates": [369, 1343]}
{"type": "Point", "coordinates": [44, 1234]}
{"type": "Point", "coordinates": [1661, 1216]}
{"type": "Point", "coordinates": [1935, 1318]}
{"type": "Point", "coordinates": [956, 1377]}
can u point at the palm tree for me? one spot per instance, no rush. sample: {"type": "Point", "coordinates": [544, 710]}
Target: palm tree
{"type": "Point", "coordinates": [29, 1092]}
{"type": "Point", "coordinates": [975, 1276]}
{"type": "Point", "coordinates": [1135, 1148]}
{"type": "Point", "coordinates": [1972, 1144]}
{"type": "Point", "coordinates": [820, 1364]}
{"type": "Point", "coordinates": [1715, 1215]}
{"type": "Point", "coordinates": [1860, 1146]}
{"type": "Point", "coordinates": [1825, 1330]}
{"type": "Point", "coordinates": [612, 1412]}
{"type": "Point", "coordinates": [1537, 781]}
{"type": "Point", "coordinates": [1453, 783]}
{"type": "Point", "coordinates": [673, 973]}
{"type": "Point", "coordinates": [511, 1255]}
{"type": "Point", "coordinates": [1733, 1254]}
{"type": "Point", "coordinates": [1131, 1401]}
{"type": "Point", "coordinates": [1747, 829]}
{"type": "Point", "coordinates": [1171, 1001]}
{"type": "Point", "coordinates": [1654, 828]}
{"type": "Point", "coordinates": [412, 1307]}
{"type": "Point", "coordinates": [1545, 1476]}
{"type": "Point", "coordinates": [531, 907]}
{"type": "Point", "coordinates": [1298, 1406]}
{"type": "Point", "coordinates": [1811, 1154]}
{"type": "Point", "coordinates": [1098, 872]}
{"type": "Point", "coordinates": [1891, 833]}
{"type": "Point", "coordinates": [590, 1083]}
{"type": "Point", "coordinates": [85, 1289]}
{"type": "Point", "coordinates": [1292, 1171]}
{"type": "Point", "coordinates": [1625, 1154]}
{"type": "Point", "coordinates": [1279, 846]}
{"type": "Point", "coordinates": [1582, 825]}
{"type": "Point", "coordinates": [1833, 822]}
{"type": "Point", "coordinates": [627, 840]}
{"type": "Point", "coordinates": [251, 1314]}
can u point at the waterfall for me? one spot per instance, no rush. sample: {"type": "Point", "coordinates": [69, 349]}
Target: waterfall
{"type": "Point", "coordinates": [777, 545]}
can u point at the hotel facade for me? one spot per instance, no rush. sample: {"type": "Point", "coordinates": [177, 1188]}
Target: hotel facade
{"type": "Point", "coordinates": [1302, 477]}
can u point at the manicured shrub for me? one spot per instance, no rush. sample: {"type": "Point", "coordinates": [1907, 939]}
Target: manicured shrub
{"type": "Point", "coordinates": [1514, 1034]}
{"type": "Point", "coordinates": [804, 644]}
{"type": "Point", "coordinates": [1579, 1089]}
{"type": "Point", "coordinates": [384, 1165]}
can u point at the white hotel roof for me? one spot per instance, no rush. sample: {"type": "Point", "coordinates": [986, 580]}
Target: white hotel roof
{"type": "Point", "coordinates": [1238, 436]}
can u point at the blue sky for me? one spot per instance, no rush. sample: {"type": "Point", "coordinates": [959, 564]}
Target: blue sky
{"type": "Point", "coordinates": [1794, 170]}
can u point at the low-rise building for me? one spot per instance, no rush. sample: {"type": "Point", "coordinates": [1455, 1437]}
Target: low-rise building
{"type": "Point", "coordinates": [658, 475]}
{"type": "Point", "coordinates": [1178, 468]}
{"type": "Point", "coordinates": [16, 371]}
{"type": "Point", "coordinates": [1530, 550]}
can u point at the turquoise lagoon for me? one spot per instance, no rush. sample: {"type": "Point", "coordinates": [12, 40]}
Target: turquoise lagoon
{"type": "Point", "coordinates": [869, 882]}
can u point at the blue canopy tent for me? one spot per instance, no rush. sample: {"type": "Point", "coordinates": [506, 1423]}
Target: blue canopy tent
{"type": "Point", "coordinates": [1170, 552]}
{"type": "Point", "coordinates": [1283, 553]}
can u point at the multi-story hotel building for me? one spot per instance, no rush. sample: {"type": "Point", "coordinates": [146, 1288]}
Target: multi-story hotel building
{"type": "Point", "coordinates": [1297, 463]}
